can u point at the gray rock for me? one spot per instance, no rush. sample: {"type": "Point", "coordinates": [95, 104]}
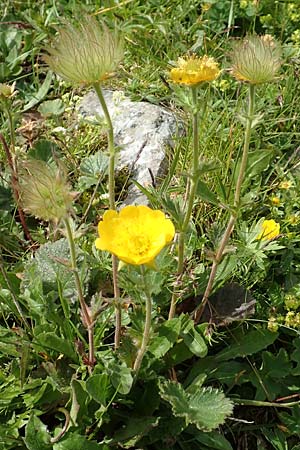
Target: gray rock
{"type": "Point", "coordinates": [142, 131]}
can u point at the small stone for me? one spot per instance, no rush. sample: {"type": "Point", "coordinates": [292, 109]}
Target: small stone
{"type": "Point", "coordinates": [142, 131]}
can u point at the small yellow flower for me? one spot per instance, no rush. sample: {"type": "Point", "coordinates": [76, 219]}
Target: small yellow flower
{"type": "Point", "coordinates": [193, 70]}
{"type": "Point", "coordinates": [285, 184]}
{"type": "Point", "coordinates": [135, 235]}
{"type": "Point", "coordinates": [86, 54]}
{"type": "Point", "coordinates": [270, 230]}
{"type": "Point", "coordinates": [273, 324]}
{"type": "Point", "coordinates": [275, 200]}
{"type": "Point", "coordinates": [256, 59]}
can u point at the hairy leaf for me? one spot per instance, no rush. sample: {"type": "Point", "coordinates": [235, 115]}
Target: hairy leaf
{"type": "Point", "coordinates": [207, 408]}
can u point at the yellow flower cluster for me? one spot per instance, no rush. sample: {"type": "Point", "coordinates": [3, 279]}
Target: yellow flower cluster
{"type": "Point", "coordinates": [193, 70]}
{"type": "Point", "coordinates": [136, 234]}
{"type": "Point", "coordinates": [270, 230]}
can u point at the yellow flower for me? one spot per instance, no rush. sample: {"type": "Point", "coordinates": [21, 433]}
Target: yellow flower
{"type": "Point", "coordinates": [86, 54]}
{"type": "Point", "coordinates": [270, 230]}
{"type": "Point", "coordinates": [256, 59]}
{"type": "Point", "coordinates": [275, 200]}
{"type": "Point", "coordinates": [135, 235]}
{"type": "Point", "coordinates": [193, 70]}
{"type": "Point", "coordinates": [285, 184]}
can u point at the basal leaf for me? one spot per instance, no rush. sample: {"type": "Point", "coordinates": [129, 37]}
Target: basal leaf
{"type": "Point", "coordinates": [36, 435]}
{"type": "Point", "coordinates": [207, 409]}
{"type": "Point", "coordinates": [99, 388]}
{"type": "Point", "coordinates": [74, 441]}
{"type": "Point", "coordinates": [248, 344]}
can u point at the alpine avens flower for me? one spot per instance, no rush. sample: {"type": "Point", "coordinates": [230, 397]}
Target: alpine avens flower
{"type": "Point", "coordinates": [85, 54]}
{"type": "Point", "coordinates": [44, 191]}
{"type": "Point", "coordinates": [256, 59]}
{"type": "Point", "coordinates": [193, 70]}
{"type": "Point", "coordinates": [136, 234]}
{"type": "Point", "coordinates": [269, 230]}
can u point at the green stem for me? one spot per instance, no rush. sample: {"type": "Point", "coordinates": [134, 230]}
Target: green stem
{"type": "Point", "coordinates": [11, 129]}
{"type": "Point", "coordinates": [190, 193]}
{"type": "Point", "coordinates": [112, 205]}
{"type": "Point", "coordinates": [86, 316]}
{"type": "Point", "coordinates": [13, 295]}
{"type": "Point", "coordinates": [260, 403]}
{"type": "Point", "coordinates": [147, 327]}
{"type": "Point", "coordinates": [236, 204]}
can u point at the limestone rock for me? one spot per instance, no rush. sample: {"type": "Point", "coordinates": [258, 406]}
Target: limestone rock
{"type": "Point", "coordinates": [142, 131]}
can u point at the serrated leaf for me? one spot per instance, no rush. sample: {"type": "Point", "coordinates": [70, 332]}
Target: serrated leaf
{"type": "Point", "coordinates": [92, 168]}
{"type": "Point", "coordinates": [207, 409]}
{"type": "Point", "coordinates": [36, 435]}
{"type": "Point", "coordinates": [99, 388]}
{"type": "Point", "coordinates": [248, 344]}
{"type": "Point", "coordinates": [52, 108]}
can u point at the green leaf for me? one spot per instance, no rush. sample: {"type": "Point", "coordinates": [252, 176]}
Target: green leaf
{"type": "Point", "coordinates": [93, 168]}
{"type": "Point", "coordinates": [192, 339]}
{"type": "Point", "coordinates": [166, 337]}
{"type": "Point", "coordinates": [41, 93]}
{"type": "Point", "coordinates": [276, 438]}
{"type": "Point", "coordinates": [99, 388]}
{"type": "Point", "coordinates": [80, 399]}
{"type": "Point", "coordinates": [207, 408]}
{"type": "Point", "coordinates": [258, 161]}
{"type": "Point", "coordinates": [292, 421]}
{"type": "Point", "coordinates": [120, 376]}
{"type": "Point", "coordinates": [134, 430]}
{"type": "Point", "coordinates": [206, 194]}
{"type": "Point", "coordinates": [248, 344]}
{"type": "Point", "coordinates": [213, 440]}
{"type": "Point", "coordinates": [6, 198]}
{"type": "Point", "coordinates": [36, 435]}
{"type": "Point", "coordinates": [44, 150]}
{"type": "Point", "coordinates": [51, 341]}
{"type": "Point", "coordinates": [52, 108]}
{"type": "Point", "coordinates": [73, 441]}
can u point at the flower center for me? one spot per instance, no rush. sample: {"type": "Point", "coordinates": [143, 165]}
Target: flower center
{"type": "Point", "coordinates": [140, 245]}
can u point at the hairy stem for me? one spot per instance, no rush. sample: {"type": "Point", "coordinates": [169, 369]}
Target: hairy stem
{"type": "Point", "coordinates": [15, 186]}
{"type": "Point", "coordinates": [112, 205]}
{"type": "Point", "coordinates": [190, 195]}
{"type": "Point", "coordinates": [147, 327]}
{"type": "Point", "coordinates": [236, 204]}
{"type": "Point", "coordinates": [86, 316]}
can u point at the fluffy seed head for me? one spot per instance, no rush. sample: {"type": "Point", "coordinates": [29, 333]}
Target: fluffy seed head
{"type": "Point", "coordinates": [256, 59]}
{"type": "Point", "coordinates": [85, 54]}
{"type": "Point", "coordinates": [44, 191]}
